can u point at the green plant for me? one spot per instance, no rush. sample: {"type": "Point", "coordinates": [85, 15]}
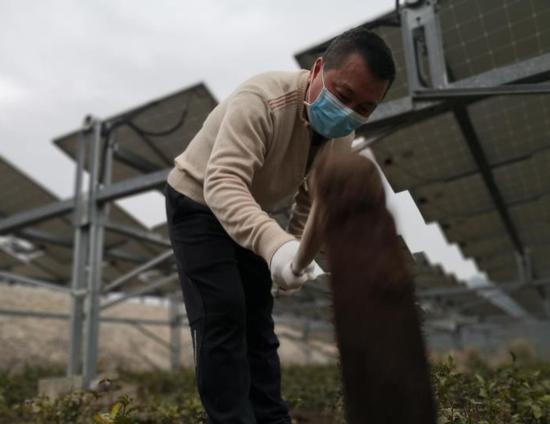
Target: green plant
{"type": "Point", "coordinates": [121, 412]}
{"type": "Point", "coordinates": [513, 393]}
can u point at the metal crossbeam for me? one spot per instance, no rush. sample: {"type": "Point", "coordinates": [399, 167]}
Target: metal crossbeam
{"type": "Point", "coordinates": [8, 276]}
{"type": "Point", "coordinates": [21, 313]}
{"type": "Point", "coordinates": [45, 237]}
{"type": "Point", "coordinates": [133, 186]}
{"type": "Point", "coordinates": [472, 140]}
{"type": "Point", "coordinates": [115, 191]}
{"type": "Point", "coordinates": [136, 233]}
{"type": "Point", "coordinates": [457, 291]}
{"type": "Point", "coordinates": [135, 272]}
{"type": "Point", "coordinates": [144, 290]}
{"type": "Point", "coordinates": [450, 92]}
{"type": "Point", "coordinates": [113, 252]}
{"type": "Point", "coordinates": [532, 70]}
{"type": "Point", "coordinates": [152, 336]}
{"type": "Point", "coordinates": [33, 216]}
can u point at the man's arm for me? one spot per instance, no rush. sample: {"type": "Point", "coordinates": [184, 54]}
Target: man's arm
{"type": "Point", "coordinates": [300, 210]}
{"type": "Point", "coordinates": [238, 152]}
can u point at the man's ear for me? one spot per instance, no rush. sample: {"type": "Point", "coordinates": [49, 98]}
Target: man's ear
{"type": "Point", "coordinates": [316, 67]}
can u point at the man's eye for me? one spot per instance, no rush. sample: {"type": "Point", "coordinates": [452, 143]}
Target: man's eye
{"type": "Point", "coordinates": [365, 110]}
{"type": "Point", "coordinates": [343, 98]}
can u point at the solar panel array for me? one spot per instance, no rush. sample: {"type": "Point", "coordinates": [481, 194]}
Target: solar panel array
{"type": "Point", "coordinates": [431, 157]}
{"type": "Point", "coordinates": [188, 107]}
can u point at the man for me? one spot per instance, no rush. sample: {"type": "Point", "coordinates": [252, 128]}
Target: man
{"type": "Point", "coordinates": [253, 152]}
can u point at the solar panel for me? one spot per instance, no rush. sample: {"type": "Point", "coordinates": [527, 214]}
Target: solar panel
{"type": "Point", "coordinates": [188, 107]}
{"type": "Point", "coordinates": [480, 35]}
{"type": "Point", "coordinates": [531, 218]}
{"type": "Point", "coordinates": [426, 152]}
{"type": "Point", "coordinates": [429, 276]}
{"type": "Point", "coordinates": [512, 128]}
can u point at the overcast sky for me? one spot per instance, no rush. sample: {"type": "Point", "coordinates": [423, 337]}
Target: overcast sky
{"type": "Point", "coordinates": [61, 60]}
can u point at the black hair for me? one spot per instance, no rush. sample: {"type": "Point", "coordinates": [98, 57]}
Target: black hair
{"type": "Point", "coordinates": [372, 48]}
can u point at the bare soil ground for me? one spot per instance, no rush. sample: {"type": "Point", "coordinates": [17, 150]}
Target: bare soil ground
{"type": "Point", "coordinates": [38, 340]}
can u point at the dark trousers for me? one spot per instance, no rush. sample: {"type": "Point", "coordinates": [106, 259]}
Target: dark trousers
{"type": "Point", "coordinates": [227, 295]}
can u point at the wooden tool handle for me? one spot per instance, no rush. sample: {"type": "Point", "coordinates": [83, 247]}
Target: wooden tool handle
{"type": "Point", "coordinates": [310, 242]}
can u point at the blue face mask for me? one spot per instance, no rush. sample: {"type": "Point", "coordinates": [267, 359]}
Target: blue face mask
{"type": "Point", "coordinates": [330, 117]}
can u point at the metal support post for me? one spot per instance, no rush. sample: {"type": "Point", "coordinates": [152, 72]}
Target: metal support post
{"type": "Point", "coordinates": [421, 33]}
{"type": "Point", "coordinates": [175, 318]}
{"type": "Point", "coordinates": [457, 337]}
{"type": "Point", "coordinates": [434, 44]}
{"type": "Point", "coordinates": [525, 272]}
{"type": "Point", "coordinates": [80, 253]}
{"type": "Point", "coordinates": [523, 263]}
{"type": "Point", "coordinates": [100, 175]}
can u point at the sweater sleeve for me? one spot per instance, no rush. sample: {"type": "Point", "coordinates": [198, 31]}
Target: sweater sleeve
{"type": "Point", "coordinates": [302, 200]}
{"type": "Point", "coordinates": [238, 152]}
{"type": "Point", "coordinates": [300, 210]}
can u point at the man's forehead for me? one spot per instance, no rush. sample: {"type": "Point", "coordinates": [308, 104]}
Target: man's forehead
{"type": "Point", "coordinates": [352, 78]}
{"type": "Point", "coordinates": [355, 74]}
{"type": "Point", "coordinates": [352, 71]}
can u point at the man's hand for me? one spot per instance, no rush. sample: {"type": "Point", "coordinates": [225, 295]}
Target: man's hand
{"type": "Point", "coordinates": [287, 279]}
{"type": "Point", "coordinates": [281, 267]}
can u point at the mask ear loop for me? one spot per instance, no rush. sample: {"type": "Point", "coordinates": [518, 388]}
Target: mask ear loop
{"type": "Point", "coordinates": [323, 76]}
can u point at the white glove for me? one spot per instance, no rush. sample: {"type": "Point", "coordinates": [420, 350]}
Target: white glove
{"type": "Point", "coordinates": [314, 271]}
{"type": "Point", "coordinates": [281, 272]}
{"type": "Point", "coordinates": [287, 281]}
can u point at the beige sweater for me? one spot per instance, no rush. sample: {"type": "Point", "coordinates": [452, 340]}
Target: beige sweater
{"type": "Point", "coordinates": [249, 157]}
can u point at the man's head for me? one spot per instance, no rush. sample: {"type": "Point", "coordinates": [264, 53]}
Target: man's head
{"type": "Point", "coordinates": [357, 69]}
